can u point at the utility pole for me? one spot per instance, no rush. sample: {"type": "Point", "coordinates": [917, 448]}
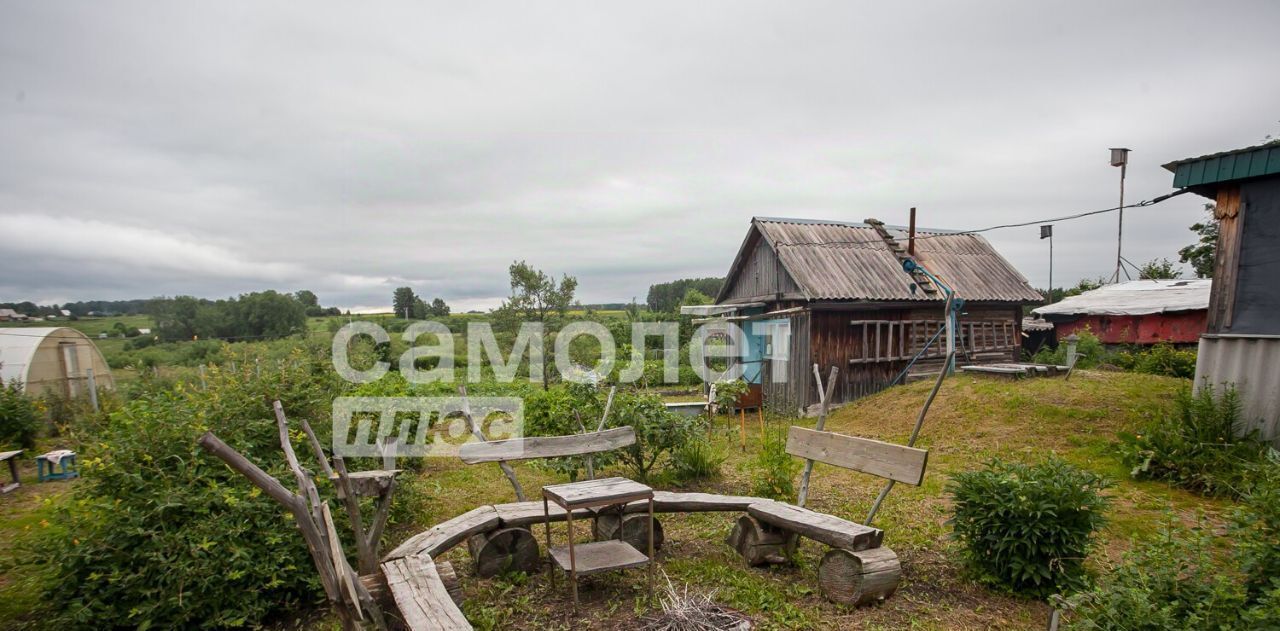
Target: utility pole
{"type": "Point", "coordinates": [1120, 158]}
{"type": "Point", "coordinates": [1046, 232]}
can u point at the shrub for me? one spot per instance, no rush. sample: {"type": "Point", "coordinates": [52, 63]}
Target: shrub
{"type": "Point", "coordinates": [659, 432]}
{"type": "Point", "coordinates": [1256, 531]}
{"type": "Point", "coordinates": [728, 393]}
{"type": "Point", "coordinates": [1169, 582]}
{"type": "Point", "coordinates": [1090, 352]}
{"type": "Point", "coordinates": [697, 459]}
{"type": "Point", "coordinates": [1197, 447]}
{"type": "Point", "coordinates": [19, 416]}
{"type": "Point", "coordinates": [160, 534]}
{"type": "Point", "coordinates": [1164, 359]}
{"type": "Point", "coordinates": [1025, 527]}
{"type": "Point", "coordinates": [775, 469]}
{"type": "Point", "coordinates": [1176, 582]}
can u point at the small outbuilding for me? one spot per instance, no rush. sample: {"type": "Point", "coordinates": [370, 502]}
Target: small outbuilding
{"type": "Point", "coordinates": [52, 360]}
{"type": "Point", "coordinates": [1241, 345]}
{"type": "Point", "coordinates": [1135, 312]}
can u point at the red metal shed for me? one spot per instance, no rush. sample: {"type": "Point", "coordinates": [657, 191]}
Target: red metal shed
{"type": "Point", "coordinates": [1136, 312]}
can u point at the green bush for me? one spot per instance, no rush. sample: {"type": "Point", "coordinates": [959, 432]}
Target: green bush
{"type": "Point", "coordinates": [1178, 581]}
{"type": "Point", "coordinates": [160, 534]}
{"type": "Point", "coordinates": [775, 469]}
{"type": "Point", "coordinates": [1170, 582]}
{"type": "Point", "coordinates": [697, 459]}
{"type": "Point", "coordinates": [19, 416]}
{"type": "Point", "coordinates": [659, 432]}
{"type": "Point", "coordinates": [1197, 447]}
{"type": "Point", "coordinates": [1090, 352]}
{"type": "Point", "coordinates": [1164, 359]}
{"type": "Point", "coordinates": [728, 393]}
{"type": "Point", "coordinates": [1256, 530]}
{"type": "Point", "coordinates": [1027, 528]}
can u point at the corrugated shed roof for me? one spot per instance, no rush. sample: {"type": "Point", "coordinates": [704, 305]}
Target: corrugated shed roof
{"type": "Point", "coordinates": [1138, 297]}
{"type": "Point", "coordinates": [1237, 164]}
{"type": "Point", "coordinates": [833, 260]}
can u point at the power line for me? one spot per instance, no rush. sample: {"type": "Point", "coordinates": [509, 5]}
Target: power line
{"type": "Point", "coordinates": [1080, 215]}
{"type": "Point", "coordinates": [1141, 204]}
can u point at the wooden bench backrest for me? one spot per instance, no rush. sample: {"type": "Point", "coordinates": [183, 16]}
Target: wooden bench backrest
{"type": "Point", "coordinates": [887, 460]}
{"type": "Point", "coordinates": [547, 446]}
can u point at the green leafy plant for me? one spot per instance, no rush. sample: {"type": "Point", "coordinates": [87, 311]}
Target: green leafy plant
{"type": "Point", "coordinates": [697, 459]}
{"type": "Point", "coordinates": [1090, 352]}
{"type": "Point", "coordinates": [19, 416]}
{"type": "Point", "coordinates": [659, 432]}
{"type": "Point", "coordinates": [775, 469]}
{"type": "Point", "coordinates": [1169, 582]}
{"type": "Point", "coordinates": [1256, 530]}
{"type": "Point", "coordinates": [728, 392]}
{"type": "Point", "coordinates": [1198, 446]}
{"type": "Point", "coordinates": [1165, 359]}
{"type": "Point", "coordinates": [1025, 527]}
{"type": "Point", "coordinates": [1178, 580]}
{"type": "Point", "coordinates": [160, 534]}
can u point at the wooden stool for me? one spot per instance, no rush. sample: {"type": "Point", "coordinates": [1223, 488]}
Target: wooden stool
{"type": "Point", "coordinates": [45, 470]}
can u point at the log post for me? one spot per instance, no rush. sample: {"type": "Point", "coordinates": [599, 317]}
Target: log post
{"type": "Point", "coordinates": [505, 550]}
{"type": "Point", "coordinates": [635, 529]}
{"type": "Point", "coordinates": [859, 578]}
{"type": "Point", "coordinates": [760, 543]}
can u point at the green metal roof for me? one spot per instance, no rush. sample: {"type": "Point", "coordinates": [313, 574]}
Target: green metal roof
{"type": "Point", "coordinates": [1238, 164]}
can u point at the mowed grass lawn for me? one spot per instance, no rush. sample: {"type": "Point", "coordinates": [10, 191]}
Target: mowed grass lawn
{"type": "Point", "coordinates": [972, 420]}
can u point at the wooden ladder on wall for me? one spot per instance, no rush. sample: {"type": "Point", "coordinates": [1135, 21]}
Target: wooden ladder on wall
{"type": "Point", "coordinates": [900, 252]}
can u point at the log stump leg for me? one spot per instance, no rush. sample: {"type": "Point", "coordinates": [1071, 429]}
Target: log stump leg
{"type": "Point", "coordinates": [505, 550]}
{"type": "Point", "coordinates": [859, 578]}
{"type": "Point", "coordinates": [635, 530]}
{"type": "Point", "coordinates": [450, 580]}
{"type": "Point", "coordinates": [760, 543]}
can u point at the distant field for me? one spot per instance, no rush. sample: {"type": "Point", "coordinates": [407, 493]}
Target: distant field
{"type": "Point", "coordinates": [89, 326]}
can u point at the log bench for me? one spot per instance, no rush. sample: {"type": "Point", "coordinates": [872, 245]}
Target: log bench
{"type": "Point", "coordinates": [857, 570]}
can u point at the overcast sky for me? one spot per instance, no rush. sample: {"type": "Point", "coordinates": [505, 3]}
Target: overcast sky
{"type": "Point", "coordinates": [349, 148]}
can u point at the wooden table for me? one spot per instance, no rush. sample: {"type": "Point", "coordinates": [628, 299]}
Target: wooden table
{"type": "Point", "coordinates": [598, 556]}
{"type": "Point", "coordinates": [12, 457]}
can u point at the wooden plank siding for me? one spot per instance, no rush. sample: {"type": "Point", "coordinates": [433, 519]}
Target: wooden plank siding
{"type": "Point", "coordinates": [762, 276]}
{"type": "Point", "coordinates": [828, 338]}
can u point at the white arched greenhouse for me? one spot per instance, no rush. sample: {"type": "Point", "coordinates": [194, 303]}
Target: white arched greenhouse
{"type": "Point", "coordinates": [52, 360]}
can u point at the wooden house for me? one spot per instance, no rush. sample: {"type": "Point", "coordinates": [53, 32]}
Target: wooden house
{"type": "Point", "coordinates": [840, 290]}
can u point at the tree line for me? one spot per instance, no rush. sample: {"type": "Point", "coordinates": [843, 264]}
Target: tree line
{"type": "Point", "coordinates": [260, 314]}
{"type": "Point", "coordinates": [667, 297]}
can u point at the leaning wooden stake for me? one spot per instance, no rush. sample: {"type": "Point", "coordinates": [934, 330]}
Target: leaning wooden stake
{"type": "Point", "coordinates": [590, 459]}
{"type": "Point", "coordinates": [475, 431]}
{"type": "Point", "coordinates": [825, 405]}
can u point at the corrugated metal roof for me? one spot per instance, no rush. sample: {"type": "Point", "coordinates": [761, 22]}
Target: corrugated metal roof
{"type": "Point", "coordinates": [833, 260]}
{"type": "Point", "coordinates": [1223, 166]}
{"type": "Point", "coordinates": [1137, 297]}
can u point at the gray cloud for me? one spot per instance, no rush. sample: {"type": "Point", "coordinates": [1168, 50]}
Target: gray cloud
{"type": "Point", "coordinates": [159, 149]}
